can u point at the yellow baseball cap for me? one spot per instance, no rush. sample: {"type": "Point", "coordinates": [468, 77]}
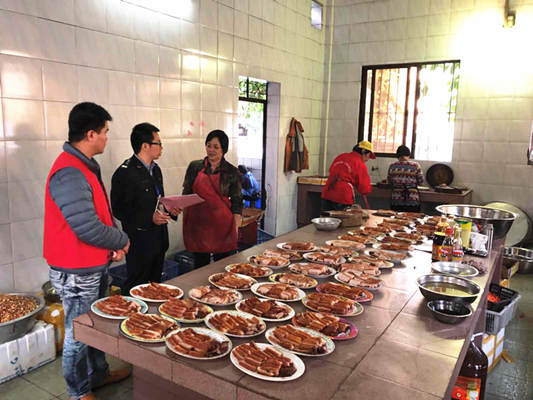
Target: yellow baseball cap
{"type": "Point", "coordinates": [367, 146]}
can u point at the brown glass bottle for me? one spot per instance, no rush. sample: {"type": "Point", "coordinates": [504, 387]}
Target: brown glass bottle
{"type": "Point", "coordinates": [472, 379]}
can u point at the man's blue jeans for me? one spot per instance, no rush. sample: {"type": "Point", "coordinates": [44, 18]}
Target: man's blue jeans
{"type": "Point", "coordinates": [83, 366]}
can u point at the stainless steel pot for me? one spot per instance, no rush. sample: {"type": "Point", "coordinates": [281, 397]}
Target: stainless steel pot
{"type": "Point", "coordinates": [454, 269]}
{"type": "Point", "coordinates": [523, 256]}
{"type": "Point", "coordinates": [471, 288]}
{"type": "Point", "coordinates": [500, 219]}
{"type": "Point", "coordinates": [13, 330]}
{"type": "Point", "coordinates": [449, 312]}
{"type": "Point", "coordinates": [326, 224]}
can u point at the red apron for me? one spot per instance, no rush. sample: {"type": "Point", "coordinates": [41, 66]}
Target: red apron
{"type": "Point", "coordinates": [209, 227]}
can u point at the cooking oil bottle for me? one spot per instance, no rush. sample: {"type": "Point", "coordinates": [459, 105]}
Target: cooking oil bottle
{"type": "Point", "coordinates": [472, 379]}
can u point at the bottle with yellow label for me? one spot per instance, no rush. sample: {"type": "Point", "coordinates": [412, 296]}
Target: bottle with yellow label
{"type": "Point", "coordinates": [446, 250]}
{"type": "Point", "coordinates": [442, 225]}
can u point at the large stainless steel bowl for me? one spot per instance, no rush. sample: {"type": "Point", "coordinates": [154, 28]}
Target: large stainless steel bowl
{"type": "Point", "coordinates": [326, 224]}
{"type": "Point", "coordinates": [472, 288]}
{"type": "Point", "coordinates": [501, 220]}
{"type": "Point", "coordinates": [17, 328]}
{"type": "Point", "coordinates": [523, 256]}
{"type": "Point", "coordinates": [454, 269]}
{"type": "Point", "coordinates": [449, 312]}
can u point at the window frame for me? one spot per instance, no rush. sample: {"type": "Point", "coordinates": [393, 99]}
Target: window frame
{"type": "Point", "coordinates": [362, 101]}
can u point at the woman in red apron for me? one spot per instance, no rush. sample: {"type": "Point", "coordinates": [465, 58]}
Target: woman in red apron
{"type": "Point", "coordinates": [211, 227]}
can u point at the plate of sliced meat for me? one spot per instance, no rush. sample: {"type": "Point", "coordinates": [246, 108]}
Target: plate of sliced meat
{"type": "Point", "coordinates": [299, 280]}
{"type": "Point", "coordinates": [185, 310]}
{"type": "Point", "coordinates": [415, 237]}
{"type": "Point", "coordinates": [385, 213]}
{"type": "Point", "coordinates": [332, 304]}
{"type": "Point", "coordinates": [262, 361]}
{"type": "Point", "coordinates": [301, 341]}
{"type": "Point", "coordinates": [360, 268]}
{"type": "Point", "coordinates": [412, 215]}
{"type": "Point", "coordinates": [348, 244]}
{"type": "Point", "coordinates": [397, 221]}
{"type": "Point", "coordinates": [118, 307]}
{"type": "Point", "coordinates": [215, 297]}
{"type": "Point", "coordinates": [148, 328]}
{"type": "Point", "coordinates": [372, 261]}
{"type": "Point", "coordinates": [235, 323]}
{"type": "Point", "coordinates": [156, 292]}
{"type": "Point", "coordinates": [269, 261]}
{"type": "Point", "coordinates": [228, 280]}
{"type": "Point", "coordinates": [327, 259]}
{"type": "Point", "coordinates": [399, 247]}
{"type": "Point", "coordinates": [392, 256]}
{"type": "Point", "coordinates": [372, 231]}
{"type": "Point", "coordinates": [352, 278]}
{"type": "Point", "coordinates": [353, 293]}
{"type": "Point", "coordinates": [288, 254]}
{"type": "Point", "coordinates": [394, 227]}
{"type": "Point", "coordinates": [249, 270]}
{"type": "Point", "coordinates": [336, 250]}
{"type": "Point", "coordinates": [267, 310]}
{"type": "Point", "coordinates": [300, 247]}
{"type": "Point", "coordinates": [330, 325]}
{"type": "Point", "coordinates": [198, 343]}
{"type": "Point", "coordinates": [394, 239]}
{"type": "Point", "coordinates": [366, 240]}
{"type": "Point", "coordinates": [278, 291]}
{"type": "Point", "coordinates": [313, 270]}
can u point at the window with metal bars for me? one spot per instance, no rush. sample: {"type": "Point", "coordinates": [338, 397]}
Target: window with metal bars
{"type": "Point", "coordinates": [410, 104]}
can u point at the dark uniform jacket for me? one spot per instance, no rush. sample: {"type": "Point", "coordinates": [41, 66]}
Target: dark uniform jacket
{"type": "Point", "coordinates": [133, 199]}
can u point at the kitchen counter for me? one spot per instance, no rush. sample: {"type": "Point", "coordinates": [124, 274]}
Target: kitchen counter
{"type": "Point", "coordinates": [309, 199]}
{"type": "Point", "coordinates": [400, 351]}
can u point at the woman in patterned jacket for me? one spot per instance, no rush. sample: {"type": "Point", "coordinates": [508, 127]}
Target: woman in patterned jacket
{"type": "Point", "coordinates": [405, 176]}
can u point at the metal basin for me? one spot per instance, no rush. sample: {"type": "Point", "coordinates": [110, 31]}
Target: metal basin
{"type": "Point", "coordinates": [444, 287]}
{"type": "Point", "coordinates": [326, 224]}
{"type": "Point", "coordinates": [501, 220]}
{"type": "Point", "coordinates": [449, 312]}
{"type": "Point", "coordinates": [523, 256]}
{"type": "Point", "coordinates": [15, 329]}
{"type": "Point", "coordinates": [454, 269]}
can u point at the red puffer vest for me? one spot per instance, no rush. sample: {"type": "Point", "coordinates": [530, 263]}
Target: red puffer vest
{"type": "Point", "coordinates": [62, 248]}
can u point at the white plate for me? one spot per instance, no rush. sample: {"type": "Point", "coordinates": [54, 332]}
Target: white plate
{"type": "Point", "coordinates": [342, 260]}
{"type": "Point", "coordinates": [330, 346]}
{"type": "Point", "coordinates": [204, 331]}
{"type": "Point", "coordinates": [371, 241]}
{"type": "Point", "coordinates": [125, 331]}
{"type": "Point", "coordinates": [239, 298]}
{"type": "Point", "coordinates": [249, 259]}
{"type": "Point", "coordinates": [298, 363]}
{"type": "Point", "coordinates": [379, 272]}
{"type": "Point", "coordinates": [280, 246]}
{"type": "Point", "coordinates": [424, 238]}
{"type": "Point", "coordinates": [371, 253]}
{"type": "Point", "coordinates": [253, 281]}
{"type": "Point", "coordinates": [314, 285]}
{"type": "Point", "coordinates": [237, 313]}
{"type": "Point", "coordinates": [378, 246]}
{"type": "Point", "coordinates": [332, 271]}
{"type": "Point", "coordinates": [268, 272]}
{"type": "Point", "coordinates": [182, 320]}
{"type": "Point", "coordinates": [381, 284]}
{"type": "Point", "coordinates": [292, 259]}
{"type": "Point", "coordinates": [382, 240]}
{"type": "Point", "coordinates": [358, 246]}
{"type": "Point", "coordinates": [358, 308]}
{"type": "Point", "coordinates": [279, 303]}
{"type": "Point", "coordinates": [301, 293]}
{"type": "Point", "coordinates": [94, 309]}
{"type": "Point", "coordinates": [362, 228]}
{"type": "Point", "coordinates": [152, 300]}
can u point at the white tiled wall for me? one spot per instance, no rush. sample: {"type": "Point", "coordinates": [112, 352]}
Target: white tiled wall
{"type": "Point", "coordinates": [495, 107]}
{"type": "Point", "coordinates": [180, 74]}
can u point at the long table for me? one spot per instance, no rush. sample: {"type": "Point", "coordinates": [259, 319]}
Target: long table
{"type": "Point", "coordinates": [401, 351]}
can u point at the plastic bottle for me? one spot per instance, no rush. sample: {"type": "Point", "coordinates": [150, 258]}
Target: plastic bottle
{"type": "Point", "coordinates": [446, 250]}
{"type": "Point", "coordinates": [472, 379]}
{"type": "Point", "coordinates": [458, 252]}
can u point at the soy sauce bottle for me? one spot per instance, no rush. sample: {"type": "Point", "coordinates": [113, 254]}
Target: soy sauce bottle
{"type": "Point", "coordinates": [472, 379]}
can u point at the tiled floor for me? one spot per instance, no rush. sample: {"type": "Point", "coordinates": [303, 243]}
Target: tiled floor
{"type": "Point", "coordinates": [514, 380]}
{"type": "Point", "coordinates": [47, 383]}
{"type": "Point", "coordinates": [507, 381]}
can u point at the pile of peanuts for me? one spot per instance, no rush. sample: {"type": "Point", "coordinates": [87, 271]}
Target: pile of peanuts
{"type": "Point", "coordinates": [13, 307]}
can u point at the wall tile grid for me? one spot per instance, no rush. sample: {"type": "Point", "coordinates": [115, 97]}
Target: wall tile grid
{"type": "Point", "coordinates": [495, 103]}
{"type": "Point", "coordinates": [179, 73]}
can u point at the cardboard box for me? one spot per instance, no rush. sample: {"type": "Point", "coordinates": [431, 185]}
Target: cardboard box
{"type": "Point", "coordinates": [29, 352]}
{"type": "Point", "coordinates": [509, 268]}
{"type": "Point", "coordinates": [492, 346]}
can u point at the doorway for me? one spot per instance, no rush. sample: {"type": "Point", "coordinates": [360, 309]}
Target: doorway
{"type": "Point", "coordinates": [253, 138]}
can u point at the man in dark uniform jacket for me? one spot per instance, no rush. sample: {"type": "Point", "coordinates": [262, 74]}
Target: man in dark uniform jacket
{"type": "Point", "coordinates": [136, 186]}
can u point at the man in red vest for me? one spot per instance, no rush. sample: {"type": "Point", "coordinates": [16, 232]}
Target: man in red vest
{"type": "Point", "coordinates": [81, 241]}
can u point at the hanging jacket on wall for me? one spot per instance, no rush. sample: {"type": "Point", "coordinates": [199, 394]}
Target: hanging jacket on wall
{"type": "Point", "coordinates": [296, 154]}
